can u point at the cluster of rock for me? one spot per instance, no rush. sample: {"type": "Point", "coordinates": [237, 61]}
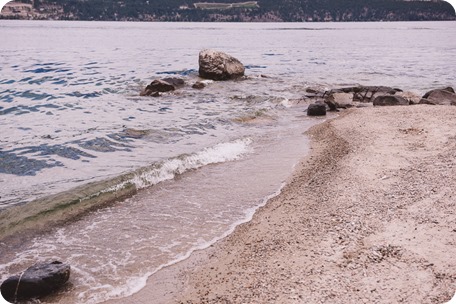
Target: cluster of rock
{"type": "Point", "coordinates": [218, 66]}
{"type": "Point", "coordinates": [36, 281]}
{"type": "Point", "coordinates": [362, 96]}
{"type": "Point", "coordinates": [213, 65]}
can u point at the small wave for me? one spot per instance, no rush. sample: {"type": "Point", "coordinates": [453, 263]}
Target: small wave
{"type": "Point", "coordinates": [19, 110]}
{"type": "Point", "coordinates": [272, 54]}
{"type": "Point", "coordinates": [41, 70]}
{"type": "Point", "coordinates": [93, 195]}
{"type": "Point", "coordinates": [135, 284]}
{"type": "Point", "coordinates": [252, 66]}
{"type": "Point", "coordinates": [7, 81]}
{"type": "Point", "coordinates": [181, 72]}
{"type": "Point", "coordinates": [84, 95]}
{"type": "Point", "coordinates": [168, 169]}
{"type": "Point", "coordinates": [303, 29]}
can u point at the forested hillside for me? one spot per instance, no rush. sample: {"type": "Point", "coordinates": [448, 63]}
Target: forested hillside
{"type": "Point", "coordinates": [221, 10]}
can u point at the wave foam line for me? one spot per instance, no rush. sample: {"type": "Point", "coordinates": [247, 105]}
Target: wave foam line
{"type": "Point", "coordinates": [58, 208]}
{"type": "Point", "coordinates": [168, 169]}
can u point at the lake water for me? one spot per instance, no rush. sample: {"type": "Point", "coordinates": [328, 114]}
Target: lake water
{"type": "Point", "coordinates": [71, 114]}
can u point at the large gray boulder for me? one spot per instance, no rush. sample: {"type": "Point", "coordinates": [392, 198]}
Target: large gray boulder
{"type": "Point", "coordinates": [390, 100]}
{"type": "Point", "coordinates": [440, 97]}
{"type": "Point", "coordinates": [36, 281]}
{"type": "Point", "coordinates": [217, 65]}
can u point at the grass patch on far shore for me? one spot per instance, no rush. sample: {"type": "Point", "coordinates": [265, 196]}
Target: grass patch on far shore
{"type": "Point", "coordinates": [219, 6]}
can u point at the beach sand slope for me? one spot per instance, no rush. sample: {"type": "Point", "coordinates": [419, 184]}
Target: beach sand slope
{"type": "Point", "coordinates": [368, 217]}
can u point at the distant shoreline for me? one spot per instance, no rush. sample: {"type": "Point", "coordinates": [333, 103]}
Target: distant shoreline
{"type": "Point", "coordinates": [222, 11]}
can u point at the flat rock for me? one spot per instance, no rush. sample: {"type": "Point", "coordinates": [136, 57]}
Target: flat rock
{"type": "Point", "coordinates": [439, 97]}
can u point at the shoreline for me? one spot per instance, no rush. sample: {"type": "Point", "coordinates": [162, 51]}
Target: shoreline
{"type": "Point", "coordinates": [366, 217]}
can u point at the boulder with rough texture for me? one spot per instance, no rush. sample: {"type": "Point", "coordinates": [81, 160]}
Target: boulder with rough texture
{"type": "Point", "coordinates": [440, 97]}
{"type": "Point", "coordinates": [390, 100]}
{"type": "Point", "coordinates": [162, 85]}
{"type": "Point", "coordinates": [217, 65]}
{"type": "Point", "coordinates": [36, 281]}
{"type": "Point", "coordinates": [316, 109]}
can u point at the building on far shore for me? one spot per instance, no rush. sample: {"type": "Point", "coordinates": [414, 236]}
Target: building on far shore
{"type": "Point", "coordinates": [17, 9]}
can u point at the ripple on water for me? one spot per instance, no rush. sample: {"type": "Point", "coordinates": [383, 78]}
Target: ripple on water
{"type": "Point", "coordinates": [100, 144]}
{"type": "Point", "coordinates": [60, 150]}
{"type": "Point", "coordinates": [19, 110]}
{"type": "Point", "coordinates": [11, 163]}
{"type": "Point", "coordinates": [7, 81]}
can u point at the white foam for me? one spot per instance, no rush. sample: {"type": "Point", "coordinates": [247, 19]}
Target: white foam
{"type": "Point", "coordinates": [134, 285]}
{"type": "Point", "coordinates": [168, 169]}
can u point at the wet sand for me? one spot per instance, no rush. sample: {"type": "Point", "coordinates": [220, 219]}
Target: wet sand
{"type": "Point", "coordinates": [368, 217]}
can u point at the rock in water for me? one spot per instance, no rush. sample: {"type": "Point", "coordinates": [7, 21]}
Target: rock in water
{"type": "Point", "coordinates": [217, 65]}
{"type": "Point", "coordinates": [198, 85]}
{"type": "Point", "coordinates": [162, 85]}
{"type": "Point", "coordinates": [175, 82]}
{"type": "Point", "coordinates": [316, 109]}
{"type": "Point", "coordinates": [36, 281]}
{"type": "Point", "coordinates": [390, 100]}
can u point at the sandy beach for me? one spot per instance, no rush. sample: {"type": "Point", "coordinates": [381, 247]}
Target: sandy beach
{"type": "Point", "coordinates": [368, 217]}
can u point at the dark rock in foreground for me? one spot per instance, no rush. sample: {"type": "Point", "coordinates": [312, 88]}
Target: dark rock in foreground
{"type": "Point", "coordinates": [162, 85]}
{"type": "Point", "coordinates": [36, 281]}
{"type": "Point", "coordinates": [440, 97]}
{"type": "Point", "coordinates": [316, 109]}
{"type": "Point", "coordinates": [217, 65]}
{"type": "Point", "coordinates": [390, 100]}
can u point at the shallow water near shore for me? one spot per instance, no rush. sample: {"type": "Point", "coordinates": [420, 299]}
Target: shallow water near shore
{"type": "Point", "coordinates": [114, 250]}
{"type": "Point", "coordinates": [71, 114]}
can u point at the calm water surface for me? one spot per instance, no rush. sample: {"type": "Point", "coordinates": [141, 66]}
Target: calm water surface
{"type": "Point", "coordinates": [71, 114]}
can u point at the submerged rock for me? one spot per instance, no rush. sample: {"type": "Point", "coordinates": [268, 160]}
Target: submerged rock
{"type": "Point", "coordinates": [440, 97]}
{"type": "Point", "coordinates": [390, 100]}
{"type": "Point", "coordinates": [36, 281]}
{"type": "Point", "coordinates": [162, 85]}
{"type": "Point", "coordinates": [316, 109]}
{"type": "Point", "coordinates": [199, 85]}
{"type": "Point", "coordinates": [217, 65]}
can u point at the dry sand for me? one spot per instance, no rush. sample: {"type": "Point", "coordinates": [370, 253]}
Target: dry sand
{"type": "Point", "coordinates": [369, 217]}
